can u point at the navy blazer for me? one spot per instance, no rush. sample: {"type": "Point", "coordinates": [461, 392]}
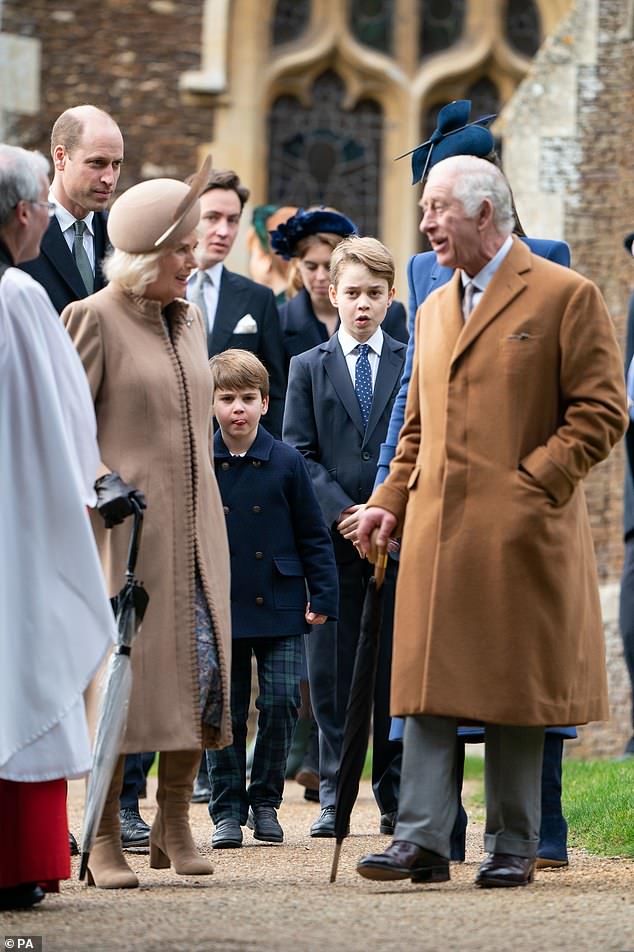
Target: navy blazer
{"type": "Point", "coordinates": [301, 329]}
{"type": "Point", "coordinates": [323, 420]}
{"type": "Point", "coordinates": [425, 275]}
{"type": "Point", "coordinates": [55, 267]}
{"type": "Point", "coordinates": [278, 541]}
{"type": "Point", "coordinates": [237, 298]}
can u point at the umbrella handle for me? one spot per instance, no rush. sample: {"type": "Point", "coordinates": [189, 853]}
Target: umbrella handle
{"type": "Point", "coordinates": [380, 566]}
{"type": "Point", "coordinates": [135, 537]}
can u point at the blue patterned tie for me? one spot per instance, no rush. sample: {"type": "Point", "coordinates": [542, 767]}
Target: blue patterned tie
{"type": "Point", "coordinates": [363, 381]}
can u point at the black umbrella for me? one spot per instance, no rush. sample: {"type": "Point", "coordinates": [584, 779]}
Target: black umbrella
{"type": "Point", "coordinates": [129, 608]}
{"type": "Point", "coordinates": [359, 710]}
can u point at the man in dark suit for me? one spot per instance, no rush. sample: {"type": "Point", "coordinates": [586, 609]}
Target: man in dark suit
{"type": "Point", "coordinates": [326, 421]}
{"type": "Point", "coordinates": [238, 312]}
{"type": "Point", "coordinates": [87, 152]}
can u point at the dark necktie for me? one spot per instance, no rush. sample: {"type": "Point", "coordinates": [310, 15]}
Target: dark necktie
{"type": "Point", "coordinates": [363, 381]}
{"type": "Point", "coordinates": [81, 258]}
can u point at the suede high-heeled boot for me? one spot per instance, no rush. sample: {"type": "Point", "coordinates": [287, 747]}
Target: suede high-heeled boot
{"type": "Point", "coordinates": [107, 867]}
{"type": "Point", "coordinates": [171, 839]}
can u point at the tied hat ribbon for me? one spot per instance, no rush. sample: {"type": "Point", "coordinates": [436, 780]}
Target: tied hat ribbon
{"type": "Point", "coordinates": [453, 135]}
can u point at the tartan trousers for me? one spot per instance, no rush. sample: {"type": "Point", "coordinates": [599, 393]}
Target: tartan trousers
{"type": "Point", "coordinates": [279, 668]}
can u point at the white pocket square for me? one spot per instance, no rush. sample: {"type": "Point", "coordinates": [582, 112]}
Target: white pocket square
{"type": "Point", "coordinates": [246, 325]}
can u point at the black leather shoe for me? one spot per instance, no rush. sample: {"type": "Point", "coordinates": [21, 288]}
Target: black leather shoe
{"type": "Point", "coordinates": [311, 795]}
{"type": "Point", "coordinates": [202, 792]}
{"type": "Point", "coordinates": [227, 835]}
{"type": "Point", "coordinates": [135, 833]}
{"type": "Point", "coordinates": [265, 825]}
{"type": "Point", "coordinates": [503, 869]}
{"type": "Point", "coordinates": [387, 823]}
{"type": "Point", "coordinates": [405, 860]}
{"type": "Point", "coordinates": [72, 845]}
{"type": "Point", "coordinates": [21, 897]}
{"type": "Point", "coordinates": [324, 825]}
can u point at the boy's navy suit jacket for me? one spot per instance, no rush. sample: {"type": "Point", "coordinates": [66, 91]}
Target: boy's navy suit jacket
{"type": "Point", "coordinates": [323, 420]}
{"type": "Point", "coordinates": [278, 541]}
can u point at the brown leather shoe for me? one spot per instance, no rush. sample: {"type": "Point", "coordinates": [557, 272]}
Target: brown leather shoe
{"type": "Point", "coordinates": [503, 869]}
{"type": "Point", "coordinates": [404, 860]}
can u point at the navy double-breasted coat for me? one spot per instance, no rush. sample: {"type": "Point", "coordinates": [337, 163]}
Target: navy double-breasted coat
{"type": "Point", "coordinates": [278, 540]}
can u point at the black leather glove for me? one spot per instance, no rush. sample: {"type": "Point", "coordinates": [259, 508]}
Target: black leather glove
{"type": "Point", "coordinates": [113, 499]}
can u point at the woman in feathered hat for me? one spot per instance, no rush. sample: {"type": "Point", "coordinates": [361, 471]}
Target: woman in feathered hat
{"type": "Point", "coordinates": [144, 350]}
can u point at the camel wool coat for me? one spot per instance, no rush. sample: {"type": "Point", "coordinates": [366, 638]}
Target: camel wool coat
{"type": "Point", "coordinates": [497, 607]}
{"type": "Point", "coordinates": [152, 400]}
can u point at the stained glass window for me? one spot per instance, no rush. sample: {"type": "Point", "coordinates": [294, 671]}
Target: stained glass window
{"type": "Point", "coordinates": [523, 27]}
{"type": "Point", "coordinates": [485, 98]}
{"type": "Point", "coordinates": [371, 23]}
{"type": "Point", "coordinates": [323, 154]}
{"type": "Point", "coordinates": [290, 19]}
{"type": "Point", "coordinates": [440, 24]}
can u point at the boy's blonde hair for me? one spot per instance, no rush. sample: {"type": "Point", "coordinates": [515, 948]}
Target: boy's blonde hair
{"type": "Point", "coordinates": [366, 251]}
{"type": "Point", "coordinates": [236, 369]}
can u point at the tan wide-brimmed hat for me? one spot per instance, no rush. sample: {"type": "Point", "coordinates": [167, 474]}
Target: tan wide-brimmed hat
{"type": "Point", "coordinates": [157, 212]}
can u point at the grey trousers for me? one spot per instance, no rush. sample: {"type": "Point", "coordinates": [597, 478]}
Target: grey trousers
{"type": "Point", "coordinates": [513, 768]}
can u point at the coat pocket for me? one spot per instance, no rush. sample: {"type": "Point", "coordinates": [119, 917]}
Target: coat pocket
{"type": "Point", "coordinates": [289, 585]}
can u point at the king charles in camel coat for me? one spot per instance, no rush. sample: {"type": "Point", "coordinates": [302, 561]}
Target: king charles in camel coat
{"type": "Point", "coordinates": [497, 611]}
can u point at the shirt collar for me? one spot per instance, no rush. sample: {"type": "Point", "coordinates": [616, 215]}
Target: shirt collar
{"type": "Point", "coordinates": [483, 278]}
{"type": "Point", "coordinates": [348, 343]}
{"type": "Point", "coordinates": [66, 220]}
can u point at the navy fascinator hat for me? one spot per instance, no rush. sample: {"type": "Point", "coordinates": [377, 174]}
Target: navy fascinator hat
{"type": "Point", "coordinates": [453, 135]}
{"type": "Point", "coordinates": [286, 236]}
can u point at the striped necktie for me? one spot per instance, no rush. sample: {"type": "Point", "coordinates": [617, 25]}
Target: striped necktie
{"type": "Point", "coordinates": [467, 299]}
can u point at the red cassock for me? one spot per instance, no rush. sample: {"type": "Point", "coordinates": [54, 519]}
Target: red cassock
{"type": "Point", "coordinates": [34, 842]}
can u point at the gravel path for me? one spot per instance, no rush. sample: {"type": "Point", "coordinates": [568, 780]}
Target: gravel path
{"type": "Point", "coordinates": [278, 899]}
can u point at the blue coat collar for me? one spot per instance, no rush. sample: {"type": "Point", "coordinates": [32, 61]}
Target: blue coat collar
{"type": "Point", "coordinates": [261, 448]}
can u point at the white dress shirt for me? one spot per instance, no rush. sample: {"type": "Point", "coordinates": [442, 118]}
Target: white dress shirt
{"type": "Point", "coordinates": [348, 345]}
{"type": "Point", "coordinates": [482, 279]}
{"type": "Point", "coordinates": [66, 222]}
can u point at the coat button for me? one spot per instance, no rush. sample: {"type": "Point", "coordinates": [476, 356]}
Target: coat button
{"type": "Point", "coordinates": [259, 600]}
{"type": "Point", "coordinates": [259, 555]}
{"type": "Point", "coordinates": [257, 463]}
{"type": "Point", "coordinates": [225, 465]}
{"type": "Point", "coordinates": [256, 509]}
{"type": "Point", "coordinates": [225, 509]}
{"type": "Point", "coordinates": [366, 455]}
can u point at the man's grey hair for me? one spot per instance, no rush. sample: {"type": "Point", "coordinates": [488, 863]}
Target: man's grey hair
{"type": "Point", "coordinates": [21, 175]}
{"type": "Point", "coordinates": [477, 180]}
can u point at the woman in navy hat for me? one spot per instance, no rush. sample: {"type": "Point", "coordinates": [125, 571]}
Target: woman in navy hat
{"type": "Point", "coordinates": [308, 318]}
